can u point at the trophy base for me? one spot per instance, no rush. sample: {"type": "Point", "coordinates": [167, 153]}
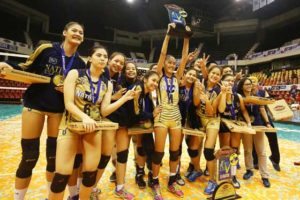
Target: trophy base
{"type": "Point", "coordinates": [180, 31]}
{"type": "Point", "coordinates": [224, 191]}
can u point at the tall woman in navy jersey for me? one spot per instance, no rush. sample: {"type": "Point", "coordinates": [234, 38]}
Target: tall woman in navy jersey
{"type": "Point", "coordinates": [244, 88]}
{"type": "Point", "coordinates": [41, 100]}
{"type": "Point", "coordinates": [231, 106]}
{"type": "Point", "coordinates": [190, 120]}
{"type": "Point", "coordinates": [169, 120]}
{"type": "Point", "coordinates": [207, 110]}
{"type": "Point", "coordinates": [87, 99]}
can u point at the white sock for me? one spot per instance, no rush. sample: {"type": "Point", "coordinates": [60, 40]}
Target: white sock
{"type": "Point", "coordinates": [172, 174]}
{"type": "Point", "coordinates": [79, 181]}
{"type": "Point", "coordinates": [233, 170]}
{"type": "Point", "coordinates": [177, 169]}
{"type": "Point", "coordinates": [119, 187]}
{"type": "Point", "coordinates": [49, 187]}
{"type": "Point", "coordinates": [73, 190]}
{"type": "Point", "coordinates": [20, 194]}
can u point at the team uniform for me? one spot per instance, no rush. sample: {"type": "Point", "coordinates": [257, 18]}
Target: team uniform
{"type": "Point", "coordinates": [47, 61]}
{"type": "Point", "coordinates": [209, 122]}
{"type": "Point", "coordinates": [231, 112]}
{"type": "Point", "coordinates": [83, 99]}
{"type": "Point", "coordinates": [168, 98]}
{"type": "Point", "coordinates": [187, 108]}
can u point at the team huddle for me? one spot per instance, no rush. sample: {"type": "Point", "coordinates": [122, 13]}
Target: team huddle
{"type": "Point", "coordinates": [198, 95]}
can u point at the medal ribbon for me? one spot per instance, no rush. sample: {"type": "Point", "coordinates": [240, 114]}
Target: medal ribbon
{"type": "Point", "coordinates": [63, 58]}
{"type": "Point", "coordinates": [94, 97]}
{"type": "Point", "coordinates": [169, 88]}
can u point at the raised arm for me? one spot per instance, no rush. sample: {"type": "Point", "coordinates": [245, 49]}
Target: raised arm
{"type": "Point", "coordinates": [184, 56]}
{"type": "Point", "coordinates": [164, 50]}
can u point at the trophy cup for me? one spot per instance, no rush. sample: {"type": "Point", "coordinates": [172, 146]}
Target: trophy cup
{"type": "Point", "coordinates": [177, 15]}
{"type": "Point", "coordinates": [226, 158]}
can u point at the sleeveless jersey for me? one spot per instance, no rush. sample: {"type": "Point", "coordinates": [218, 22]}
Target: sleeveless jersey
{"type": "Point", "coordinates": [169, 100]}
{"type": "Point", "coordinates": [212, 95]}
{"type": "Point", "coordinates": [83, 96]}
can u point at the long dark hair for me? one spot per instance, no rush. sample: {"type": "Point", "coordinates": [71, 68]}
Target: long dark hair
{"type": "Point", "coordinates": [93, 50]}
{"type": "Point", "coordinates": [240, 86]}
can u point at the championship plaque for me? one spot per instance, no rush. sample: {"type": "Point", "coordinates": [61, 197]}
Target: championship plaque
{"type": "Point", "coordinates": [141, 128]}
{"type": "Point", "coordinates": [280, 110]}
{"type": "Point", "coordinates": [22, 76]}
{"type": "Point", "coordinates": [226, 158]}
{"type": "Point", "coordinates": [238, 126]}
{"type": "Point", "coordinates": [177, 15]}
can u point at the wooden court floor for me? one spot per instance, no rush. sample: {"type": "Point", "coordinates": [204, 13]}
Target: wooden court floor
{"type": "Point", "coordinates": [285, 185]}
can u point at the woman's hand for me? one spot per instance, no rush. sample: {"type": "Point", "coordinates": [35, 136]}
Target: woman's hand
{"type": "Point", "coordinates": [157, 110]}
{"type": "Point", "coordinates": [119, 94]}
{"type": "Point", "coordinates": [89, 124]}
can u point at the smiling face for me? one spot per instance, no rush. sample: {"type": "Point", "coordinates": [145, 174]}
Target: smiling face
{"type": "Point", "coordinates": [227, 70]}
{"type": "Point", "coordinates": [190, 76]}
{"type": "Point", "coordinates": [228, 80]}
{"type": "Point", "coordinates": [247, 86]}
{"type": "Point", "coordinates": [116, 63]}
{"type": "Point", "coordinates": [151, 82]}
{"type": "Point", "coordinates": [214, 75]}
{"type": "Point", "coordinates": [74, 34]}
{"type": "Point", "coordinates": [130, 71]}
{"type": "Point", "coordinates": [99, 58]}
{"type": "Point", "coordinates": [170, 64]}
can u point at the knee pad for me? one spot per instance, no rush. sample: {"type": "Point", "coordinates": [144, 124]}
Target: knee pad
{"type": "Point", "coordinates": [141, 151]}
{"type": "Point", "coordinates": [174, 155]}
{"type": "Point", "coordinates": [157, 157]}
{"type": "Point", "coordinates": [180, 150]}
{"type": "Point", "coordinates": [209, 154]}
{"type": "Point", "coordinates": [103, 161]}
{"type": "Point", "coordinates": [59, 182]}
{"type": "Point", "coordinates": [51, 153]}
{"type": "Point", "coordinates": [30, 156]}
{"type": "Point", "coordinates": [193, 152]}
{"type": "Point", "coordinates": [122, 156]}
{"type": "Point", "coordinates": [78, 161]}
{"type": "Point", "coordinates": [89, 178]}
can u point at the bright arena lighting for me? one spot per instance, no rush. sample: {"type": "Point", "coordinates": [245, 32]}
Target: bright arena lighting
{"type": "Point", "coordinates": [130, 1]}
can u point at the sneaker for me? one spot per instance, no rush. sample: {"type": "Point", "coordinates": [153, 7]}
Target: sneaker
{"type": "Point", "coordinates": [189, 170]}
{"type": "Point", "coordinates": [194, 175]}
{"type": "Point", "coordinates": [275, 165]}
{"type": "Point", "coordinates": [210, 188]}
{"type": "Point", "coordinates": [94, 194]}
{"type": "Point", "coordinates": [139, 180]}
{"type": "Point", "coordinates": [76, 197]}
{"type": "Point", "coordinates": [124, 194]}
{"type": "Point", "coordinates": [206, 172]}
{"type": "Point", "coordinates": [266, 182]}
{"type": "Point", "coordinates": [175, 190]}
{"type": "Point", "coordinates": [150, 179]}
{"type": "Point", "coordinates": [248, 174]}
{"type": "Point", "coordinates": [156, 192]}
{"type": "Point", "coordinates": [179, 180]}
{"type": "Point", "coordinates": [235, 182]}
{"type": "Point", "coordinates": [113, 177]}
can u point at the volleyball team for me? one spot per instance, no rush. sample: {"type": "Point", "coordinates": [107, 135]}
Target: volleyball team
{"type": "Point", "coordinates": [196, 95]}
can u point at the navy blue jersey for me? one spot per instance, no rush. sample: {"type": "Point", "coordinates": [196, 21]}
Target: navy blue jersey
{"type": "Point", "coordinates": [187, 108]}
{"type": "Point", "coordinates": [47, 61]}
{"type": "Point", "coordinates": [232, 110]}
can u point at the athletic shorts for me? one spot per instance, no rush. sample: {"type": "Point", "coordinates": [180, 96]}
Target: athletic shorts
{"type": "Point", "coordinates": [210, 122]}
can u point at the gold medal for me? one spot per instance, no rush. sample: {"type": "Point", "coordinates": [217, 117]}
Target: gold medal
{"type": "Point", "coordinates": [58, 80]}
